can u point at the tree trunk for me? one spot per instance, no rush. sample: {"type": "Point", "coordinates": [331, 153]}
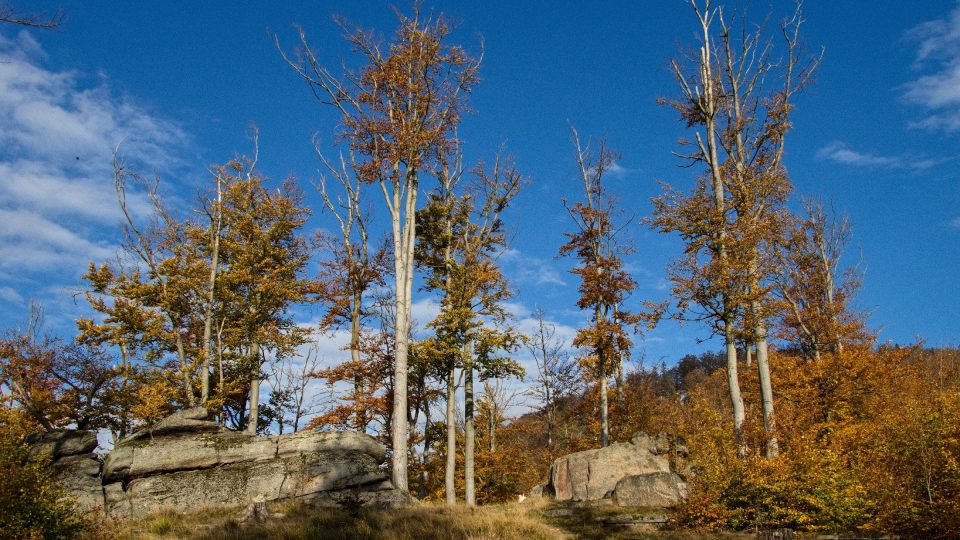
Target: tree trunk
{"type": "Point", "coordinates": [124, 375]}
{"type": "Point", "coordinates": [733, 382]}
{"type": "Point", "coordinates": [766, 392]}
{"type": "Point", "coordinates": [360, 416]}
{"type": "Point", "coordinates": [449, 479]}
{"type": "Point", "coordinates": [185, 371]}
{"type": "Point", "coordinates": [208, 311]}
{"type": "Point", "coordinates": [254, 392]}
{"type": "Point", "coordinates": [492, 427]}
{"type": "Point", "coordinates": [469, 430]}
{"type": "Point", "coordinates": [604, 425]}
{"type": "Point", "coordinates": [403, 243]}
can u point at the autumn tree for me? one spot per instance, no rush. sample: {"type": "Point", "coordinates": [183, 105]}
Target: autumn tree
{"type": "Point", "coordinates": [185, 292]}
{"type": "Point", "coordinates": [557, 373]}
{"type": "Point", "coordinates": [349, 270]}
{"type": "Point", "coordinates": [56, 383]}
{"type": "Point", "coordinates": [265, 258]}
{"type": "Point", "coordinates": [737, 98]}
{"type": "Point", "coordinates": [462, 235]}
{"type": "Point", "coordinates": [435, 253]}
{"type": "Point", "coordinates": [816, 293]}
{"type": "Point", "coordinates": [148, 296]}
{"type": "Point", "coordinates": [604, 285]}
{"type": "Point", "coordinates": [398, 114]}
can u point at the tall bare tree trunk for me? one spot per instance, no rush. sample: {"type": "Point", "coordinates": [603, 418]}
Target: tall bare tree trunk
{"type": "Point", "coordinates": [449, 473]}
{"type": "Point", "coordinates": [604, 423]}
{"type": "Point", "coordinates": [216, 227]}
{"type": "Point", "coordinates": [360, 419]}
{"type": "Point", "coordinates": [733, 383]}
{"type": "Point", "coordinates": [766, 391]}
{"type": "Point", "coordinates": [254, 392]}
{"type": "Point", "coordinates": [403, 242]}
{"type": "Point", "coordinates": [469, 430]}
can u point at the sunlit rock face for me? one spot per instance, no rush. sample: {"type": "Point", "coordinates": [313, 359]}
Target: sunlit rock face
{"type": "Point", "coordinates": [635, 473]}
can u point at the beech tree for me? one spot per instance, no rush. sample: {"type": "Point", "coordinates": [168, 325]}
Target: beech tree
{"type": "Point", "coordinates": [815, 292]}
{"type": "Point", "coordinates": [348, 272]}
{"type": "Point", "coordinates": [187, 291]}
{"type": "Point", "coordinates": [435, 225]}
{"type": "Point", "coordinates": [265, 260]}
{"type": "Point", "coordinates": [737, 98]}
{"type": "Point", "coordinates": [604, 285]}
{"type": "Point", "coordinates": [398, 114]}
{"type": "Point", "coordinates": [466, 233]}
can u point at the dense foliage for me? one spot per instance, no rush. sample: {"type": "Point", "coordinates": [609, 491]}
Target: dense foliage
{"type": "Point", "coordinates": [32, 505]}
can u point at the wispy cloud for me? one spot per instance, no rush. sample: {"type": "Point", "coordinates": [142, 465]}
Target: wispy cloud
{"type": "Point", "coordinates": [839, 152]}
{"type": "Point", "coordinates": [58, 209]}
{"type": "Point", "coordinates": [955, 223]}
{"type": "Point", "coordinates": [523, 268]}
{"type": "Point", "coordinates": [937, 87]}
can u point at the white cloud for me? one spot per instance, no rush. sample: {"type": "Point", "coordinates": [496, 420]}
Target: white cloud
{"type": "Point", "coordinates": [424, 310]}
{"type": "Point", "coordinates": [522, 268]}
{"type": "Point", "coordinates": [58, 208]}
{"type": "Point", "coordinates": [839, 152]}
{"type": "Point", "coordinates": [7, 294]}
{"type": "Point", "coordinates": [29, 240]}
{"type": "Point", "coordinates": [937, 88]}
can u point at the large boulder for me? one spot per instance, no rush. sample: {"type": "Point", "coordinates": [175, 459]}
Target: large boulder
{"type": "Point", "coordinates": [186, 462]}
{"type": "Point", "coordinates": [598, 474]}
{"type": "Point", "coordinates": [659, 489]}
{"type": "Point", "coordinates": [73, 463]}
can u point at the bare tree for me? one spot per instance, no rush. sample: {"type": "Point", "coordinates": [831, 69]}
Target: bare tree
{"type": "Point", "coordinates": [289, 404]}
{"type": "Point", "coordinates": [557, 372]}
{"type": "Point", "coordinates": [10, 14]}
{"type": "Point", "coordinates": [497, 398]}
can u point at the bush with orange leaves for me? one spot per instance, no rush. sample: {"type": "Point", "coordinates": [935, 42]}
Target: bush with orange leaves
{"type": "Point", "coordinates": [870, 440]}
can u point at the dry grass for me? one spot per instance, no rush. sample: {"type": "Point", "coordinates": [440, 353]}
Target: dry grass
{"type": "Point", "coordinates": [305, 522]}
{"type": "Point", "coordinates": [530, 520]}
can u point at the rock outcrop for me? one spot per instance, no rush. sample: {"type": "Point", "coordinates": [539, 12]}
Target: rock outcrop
{"type": "Point", "coordinates": [73, 463]}
{"type": "Point", "coordinates": [186, 462]}
{"type": "Point", "coordinates": [635, 473]}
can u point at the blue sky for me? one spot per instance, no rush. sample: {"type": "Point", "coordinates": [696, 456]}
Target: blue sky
{"type": "Point", "coordinates": [180, 82]}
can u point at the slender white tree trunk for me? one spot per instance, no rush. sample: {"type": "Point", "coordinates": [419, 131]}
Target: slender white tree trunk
{"type": "Point", "coordinates": [604, 424]}
{"type": "Point", "coordinates": [469, 430]}
{"type": "Point", "coordinates": [216, 225]}
{"type": "Point", "coordinates": [403, 210]}
{"type": "Point", "coordinates": [733, 383]}
{"type": "Point", "coordinates": [766, 392]}
{"type": "Point", "coordinates": [449, 479]}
